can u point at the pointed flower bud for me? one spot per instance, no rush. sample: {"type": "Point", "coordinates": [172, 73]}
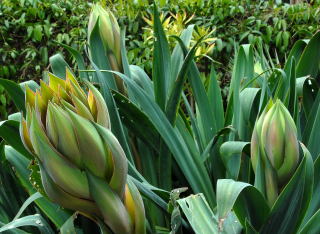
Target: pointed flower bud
{"type": "Point", "coordinates": [83, 167]}
{"type": "Point", "coordinates": [274, 140]}
{"type": "Point", "coordinates": [110, 35]}
{"type": "Point", "coordinates": [109, 30]}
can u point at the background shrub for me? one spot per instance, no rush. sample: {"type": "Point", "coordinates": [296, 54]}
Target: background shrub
{"type": "Point", "coordinates": [30, 30]}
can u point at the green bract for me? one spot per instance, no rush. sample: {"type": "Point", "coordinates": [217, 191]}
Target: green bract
{"type": "Point", "coordinates": [274, 141]}
{"type": "Point", "coordinates": [82, 164]}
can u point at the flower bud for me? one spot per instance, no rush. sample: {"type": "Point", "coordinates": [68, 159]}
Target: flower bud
{"type": "Point", "coordinates": [274, 140]}
{"type": "Point", "coordinates": [110, 35]}
{"type": "Point", "coordinates": [82, 165]}
{"type": "Point", "coordinates": [109, 31]}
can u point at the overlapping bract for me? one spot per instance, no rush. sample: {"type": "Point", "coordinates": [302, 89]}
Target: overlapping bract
{"type": "Point", "coordinates": [82, 164]}
{"type": "Point", "coordinates": [274, 141]}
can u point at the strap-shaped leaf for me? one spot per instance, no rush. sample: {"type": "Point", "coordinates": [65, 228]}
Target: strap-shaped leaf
{"type": "Point", "coordinates": [124, 58]}
{"type": "Point", "coordinates": [312, 226]}
{"type": "Point", "coordinates": [311, 132]}
{"type": "Point", "coordinates": [202, 218]}
{"type": "Point", "coordinates": [289, 209]}
{"type": "Point", "coordinates": [205, 117]}
{"type": "Point", "coordinates": [9, 131]}
{"type": "Point", "coordinates": [15, 92]}
{"type": "Point", "coordinates": [243, 69]}
{"type": "Point", "coordinates": [231, 153]}
{"type": "Point", "coordinates": [291, 100]}
{"type": "Point", "coordinates": [207, 150]}
{"type": "Point", "coordinates": [178, 55]}
{"type": "Point", "coordinates": [31, 220]}
{"type": "Point", "coordinates": [295, 53]}
{"type": "Point", "coordinates": [150, 193]}
{"type": "Point", "coordinates": [79, 58]}
{"type": "Point", "coordinates": [315, 200]}
{"type": "Point", "coordinates": [190, 164]}
{"type": "Point", "coordinates": [310, 58]}
{"type": "Point", "coordinates": [68, 226]}
{"type": "Point", "coordinates": [250, 229]}
{"type": "Point", "coordinates": [116, 125]}
{"type": "Point", "coordinates": [215, 99]}
{"type": "Point", "coordinates": [136, 120]}
{"type": "Point", "coordinates": [59, 65]}
{"type": "Point", "coordinates": [249, 101]}
{"type": "Point", "coordinates": [199, 214]}
{"type": "Point", "coordinates": [171, 112]}
{"type": "Point", "coordinates": [194, 124]}
{"type": "Point", "coordinates": [307, 89]}
{"type": "Point", "coordinates": [161, 72]}
{"type": "Point", "coordinates": [177, 87]}
{"type": "Point", "coordinates": [31, 199]}
{"type": "Point", "coordinates": [31, 84]}
{"type": "Point", "coordinates": [247, 202]}
{"type": "Point", "coordinates": [142, 79]}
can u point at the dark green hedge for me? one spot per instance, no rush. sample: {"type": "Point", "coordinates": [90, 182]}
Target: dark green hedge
{"type": "Point", "coordinates": [29, 31]}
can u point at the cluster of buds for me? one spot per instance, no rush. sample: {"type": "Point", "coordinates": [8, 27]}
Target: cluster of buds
{"type": "Point", "coordinates": [274, 141]}
{"type": "Point", "coordinates": [110, 35]}
{"type": "Point", "coordinates": [82, 164]}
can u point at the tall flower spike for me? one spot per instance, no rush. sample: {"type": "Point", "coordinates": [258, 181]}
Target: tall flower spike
{"type": "Point", "coordinates": [82, 164]}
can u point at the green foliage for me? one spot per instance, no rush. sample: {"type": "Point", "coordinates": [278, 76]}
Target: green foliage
{"type": "Point", "coordinates": [4, 103]}
{"type": "Point", "coordinates": [232, 22]}
{"type": "Point", "coordinates": [29, 30]}
{"type": "Point", "coordinates": [178, 132]}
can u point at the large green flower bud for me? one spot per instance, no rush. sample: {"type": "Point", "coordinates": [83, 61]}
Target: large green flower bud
{"type": "Point", "coordinates": [274, 140]}
{"type": "Point", "coordinates": [82, 164]}
{"type": "Point", "coordinates": [110, 35]}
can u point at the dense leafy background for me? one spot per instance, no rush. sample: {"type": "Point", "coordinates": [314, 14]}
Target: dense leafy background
{"type": "Point", "coordinates": [186, 143]}
{"type": "Point", "coordinates": [31, 28]}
